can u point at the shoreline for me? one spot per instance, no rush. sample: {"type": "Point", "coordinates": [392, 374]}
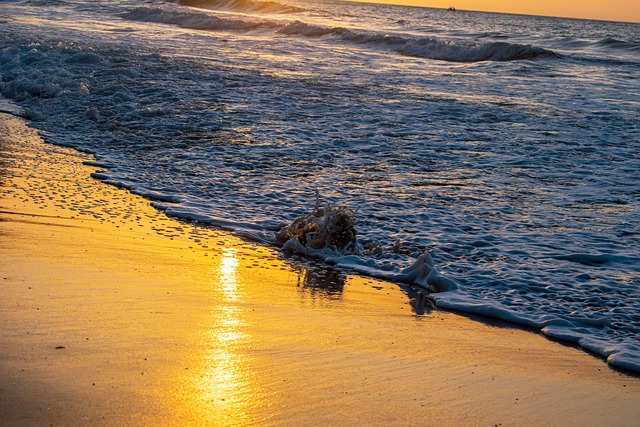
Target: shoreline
{"type": "Point", "coordinates": [114, 314]}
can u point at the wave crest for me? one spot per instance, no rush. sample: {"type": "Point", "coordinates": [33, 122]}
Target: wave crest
{"type": "Point", "coordinates": [619, 44]}
{"type": "Point", "coordinates": [424, 47]}
{"type": "Point", "coordinates": [191, 19]}
{"type": "Point", "coordinates": [242, 6]}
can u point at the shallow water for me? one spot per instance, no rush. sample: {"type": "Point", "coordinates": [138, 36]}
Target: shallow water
{"type": "Point", "coordinates": [505, 146]}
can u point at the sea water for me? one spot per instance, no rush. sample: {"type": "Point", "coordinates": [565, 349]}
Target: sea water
{"type": "Point", "coordinates": [501, 152]}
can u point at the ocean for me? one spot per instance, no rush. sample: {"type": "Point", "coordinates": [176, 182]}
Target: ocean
{"type": "Point", "coordinates": [492, 159]}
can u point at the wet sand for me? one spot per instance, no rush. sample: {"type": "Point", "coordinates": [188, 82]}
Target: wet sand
{"type": "Point", "coordinates": [113, 314]}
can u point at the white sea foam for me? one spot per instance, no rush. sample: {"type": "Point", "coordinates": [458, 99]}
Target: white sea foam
{"type": "Point", "coordinates": [325, 226]}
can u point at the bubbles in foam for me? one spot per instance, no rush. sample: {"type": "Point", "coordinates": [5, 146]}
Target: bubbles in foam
{"type": "Point", "coordinates": [326, 226]}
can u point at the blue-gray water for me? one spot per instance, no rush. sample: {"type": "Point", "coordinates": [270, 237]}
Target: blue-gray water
{"type": "Point", "coordinates": [508, 147]}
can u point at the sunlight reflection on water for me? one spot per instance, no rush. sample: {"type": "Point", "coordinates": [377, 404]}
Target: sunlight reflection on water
{"type": "Point", "coordinates": [227, 394]}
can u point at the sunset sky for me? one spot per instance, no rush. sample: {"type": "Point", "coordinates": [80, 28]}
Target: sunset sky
{"type": "Point", "coordinates": [614, 10]}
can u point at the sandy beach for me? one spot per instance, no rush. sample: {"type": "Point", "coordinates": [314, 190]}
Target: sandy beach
{"type": "Point", "coordinates": [113, 314]}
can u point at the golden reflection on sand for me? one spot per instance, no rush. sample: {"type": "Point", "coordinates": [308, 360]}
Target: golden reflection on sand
{"type": "Point", "coordinates": [226, 393]}
{"type": "Point", "coordinates": [226, 272]}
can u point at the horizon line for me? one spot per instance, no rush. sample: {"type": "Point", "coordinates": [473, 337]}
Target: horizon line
{"type": "Point", "coordinates": [392, 3]}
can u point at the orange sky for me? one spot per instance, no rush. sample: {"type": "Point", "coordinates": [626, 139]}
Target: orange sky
{"type": "Point", "coordinates": [614, 10]}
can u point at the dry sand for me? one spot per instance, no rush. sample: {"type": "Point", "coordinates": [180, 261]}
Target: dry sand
{"type": "Point", "coordinates": [113, 314]}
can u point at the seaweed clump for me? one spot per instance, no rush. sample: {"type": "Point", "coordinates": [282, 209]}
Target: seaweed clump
{"type": "Point", "coordinates": [326, 226]}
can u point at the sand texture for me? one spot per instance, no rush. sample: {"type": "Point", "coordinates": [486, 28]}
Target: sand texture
{"type": "Point", "coordinates": [113, 314]}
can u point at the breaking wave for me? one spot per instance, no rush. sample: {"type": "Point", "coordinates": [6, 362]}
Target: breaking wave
{"type": "Point", "coordinates": [242, 6]}
{"type": "Point", "coordinates": [192, 20]}
{"type": "Point", "coordinates": [424, 47]}
{"type": "Point", "coordinates": [419, 47]}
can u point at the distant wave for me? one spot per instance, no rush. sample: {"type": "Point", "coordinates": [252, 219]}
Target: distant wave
{"type": "Point", "coordinates": [606, 51]}
{"type": "Point", "coordinates": [193, 20]}
{"type": "Point", "coordinates": [419, 47]}
{"type": "Point", "coordinates": [619, 44]}
{"type": "Point", "coordinates": [45, 3]}
{"type": "Point", "coordinates": [424, 47]}
{"type": "Point", "coordinates": [242, 5]}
